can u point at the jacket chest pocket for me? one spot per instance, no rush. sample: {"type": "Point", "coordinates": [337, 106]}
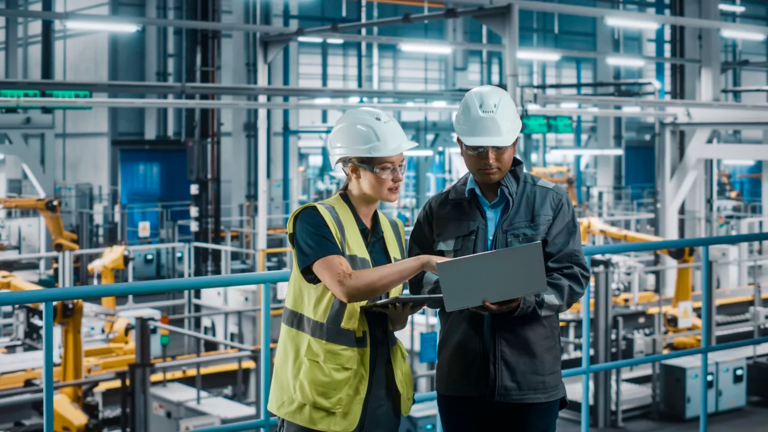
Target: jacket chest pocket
{"type": "Point", "coordinates": [527, 233]}
{"type": "Point", "coordinates": [455, 238]}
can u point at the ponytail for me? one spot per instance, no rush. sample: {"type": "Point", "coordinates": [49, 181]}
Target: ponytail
{"type": "Point", "coordinates": [344, 187]}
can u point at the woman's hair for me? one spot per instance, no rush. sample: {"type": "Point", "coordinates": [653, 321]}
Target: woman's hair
{"type": "Point", "coordinates": [348, 161]}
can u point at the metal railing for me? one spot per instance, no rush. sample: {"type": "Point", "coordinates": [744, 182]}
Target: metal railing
{"type": "Point", "coordinates": [48, 296]}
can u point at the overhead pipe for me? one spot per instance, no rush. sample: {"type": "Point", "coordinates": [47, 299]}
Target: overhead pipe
{"type": "Point", "coordinates": [451, 13]}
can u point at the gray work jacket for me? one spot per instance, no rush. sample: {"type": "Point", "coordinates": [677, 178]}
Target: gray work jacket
{"type": "Point", "coordinates": [511, 357]}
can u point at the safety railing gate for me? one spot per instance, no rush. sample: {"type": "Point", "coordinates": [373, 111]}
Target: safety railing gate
{"type": "Point", "coordinates": [49, 296]}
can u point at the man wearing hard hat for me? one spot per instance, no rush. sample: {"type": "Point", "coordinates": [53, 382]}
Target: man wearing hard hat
{"type": "Point", "coordinates": [499, 365]}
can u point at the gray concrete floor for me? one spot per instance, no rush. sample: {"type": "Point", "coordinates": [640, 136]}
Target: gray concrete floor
{"type": "Point", "coordinates": [752, 418]}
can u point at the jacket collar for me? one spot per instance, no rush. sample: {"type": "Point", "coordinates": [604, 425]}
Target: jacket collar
{"type": "Point", "coordinates": [509, 182]}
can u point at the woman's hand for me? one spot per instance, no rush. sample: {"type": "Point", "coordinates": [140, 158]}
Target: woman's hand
{"type": "Point", "coordinates": [430, 262]}
{"type": "Point", "coordinates": [399, 313]}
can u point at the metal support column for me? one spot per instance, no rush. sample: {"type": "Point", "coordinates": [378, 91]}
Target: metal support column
{"type": "Point", "coordinates": [47, 44]}
{"type": "Point", "coordinates": [48, 367]}
{"type": "Point", "coordinates": [710, 53]}
{"type": "Point", "coordinates": [141, 381]}
{"type": "Point", "coordinates": [511, 46]}
{"type": "Point", "coordinates": [11, 42]}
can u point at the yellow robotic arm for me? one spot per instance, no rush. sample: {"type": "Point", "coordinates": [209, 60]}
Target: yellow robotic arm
{"type": "Point", "coordinates": [558, 175]}
{"type": "Point", "coordinates": [50, 210]}
{"type": "Point", "coordinates": [684, 282]}
{"type": "Point", "coordinates": [67, 404]}
{"type": "Point", "coordinates": [114, 258]}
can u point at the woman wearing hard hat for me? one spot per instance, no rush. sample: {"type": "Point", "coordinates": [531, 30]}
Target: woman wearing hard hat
{"type": "Point", "coordinates": [339, 368]}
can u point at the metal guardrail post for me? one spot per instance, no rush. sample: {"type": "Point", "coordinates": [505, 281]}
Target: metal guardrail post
{"type": "Point", "coordinates": [48, 367]}
{"type": "Point", "coordinates": [141, 387]}
{"type": "Point", "coordinates": [705, 327]}
{"type": "Point", "coordinates": [585, 355]}
{"type": "Point", "coordinates": [266, 355]}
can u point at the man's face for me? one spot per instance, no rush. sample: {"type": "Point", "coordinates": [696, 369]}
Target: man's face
{"type": "Point", "coordinates": [488, 164]}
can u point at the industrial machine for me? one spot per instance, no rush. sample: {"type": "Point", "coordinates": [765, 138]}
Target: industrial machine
{"type": "Point", "coordinates": [175, 406]}
{"type": "Point", "coordinates": [114, 258]}
{"type": "Point", "coordinates": [50, 210]}
{"type": "Point", "coordinates": [74, 411]}
{"type": "Point", "coordinates": [681, 385]}
{"type": "Point", "coordinates": [682, 303]}
{"type": "Point", "coordinates": [559, 175]}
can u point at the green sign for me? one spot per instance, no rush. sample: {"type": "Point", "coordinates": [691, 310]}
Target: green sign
{"type": "Point", "coordinates": [535, 125]}
{"type": "Point", "coordinates": [54, 94]}
{"type": "Point", "coordinates": [539, 124]}
{"type": "Point", "coordinates": [8, 93]}
{"type": "Point", "coordinates": [561, 125]}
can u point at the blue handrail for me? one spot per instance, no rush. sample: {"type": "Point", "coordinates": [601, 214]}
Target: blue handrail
{"type": "Point", "coordinates": [153, 287]}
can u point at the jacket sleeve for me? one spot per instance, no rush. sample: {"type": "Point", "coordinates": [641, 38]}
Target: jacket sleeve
{"type": "Point", "coordinates": [565, 264]}
{"type": "Point", "coordinates": [422, 243]}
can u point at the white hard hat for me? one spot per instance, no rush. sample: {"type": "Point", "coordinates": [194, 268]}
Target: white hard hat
{"type": "Point", "coordinates": [367, 132]}
{"type": "Point", "coordinates": [487, 117]}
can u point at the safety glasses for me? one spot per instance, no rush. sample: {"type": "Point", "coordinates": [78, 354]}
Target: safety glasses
{"type": "Point", "coordinates": [482, 151]}
{"type": "Point", "coordinates": [385, 171]}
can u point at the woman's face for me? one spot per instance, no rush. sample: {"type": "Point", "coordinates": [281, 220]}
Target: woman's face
{"type": "Point", "coordinates": [382, 177]}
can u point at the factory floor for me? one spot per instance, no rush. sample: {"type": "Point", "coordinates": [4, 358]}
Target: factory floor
{"type": "Point", "coordinates": [752, 418]}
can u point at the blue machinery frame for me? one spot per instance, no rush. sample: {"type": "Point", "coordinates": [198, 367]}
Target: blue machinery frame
{"type": "Point", "coordinates": [47, 297]}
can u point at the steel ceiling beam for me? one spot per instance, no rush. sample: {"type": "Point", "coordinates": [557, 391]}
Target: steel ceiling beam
{"type": "Point", "coordinates": [542, 99]}
{"type": "Point", "coordinates": [228, 104]}
{"type": "Point", "coordinates": [160, 88]}
{"type": "Point", "coordinates": [450, 13]}
{"type": "Point", "coordinates": [146, 21]}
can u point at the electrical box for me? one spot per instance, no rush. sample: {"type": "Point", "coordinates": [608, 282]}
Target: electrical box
{"type": "Point", "coordinates": [167, 405]}
{"type": "Point", "coordinates": [681, 387]}
{"type": "Point", "coordinates": [731, 381]}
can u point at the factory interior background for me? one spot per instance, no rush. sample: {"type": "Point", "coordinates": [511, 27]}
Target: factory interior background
{"type": "Point", "coordinates": [156, 143]}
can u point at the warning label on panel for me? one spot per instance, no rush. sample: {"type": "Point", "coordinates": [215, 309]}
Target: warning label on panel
{"type": "Point", "coordinates": [685, 314]}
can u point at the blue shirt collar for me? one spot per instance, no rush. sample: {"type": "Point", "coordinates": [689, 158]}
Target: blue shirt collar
{"type": "Point", "coordinates": [472, 186]}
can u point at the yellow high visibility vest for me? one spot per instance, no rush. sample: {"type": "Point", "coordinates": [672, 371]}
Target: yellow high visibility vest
{"type": "Point", "coordinates": [323, 356]}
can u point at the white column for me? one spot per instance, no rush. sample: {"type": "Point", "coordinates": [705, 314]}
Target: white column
{"type": "Point", "coordinates": [511, 46]}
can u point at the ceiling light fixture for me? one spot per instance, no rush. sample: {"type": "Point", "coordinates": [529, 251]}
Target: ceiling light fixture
{"type": "Point", "coordinates": [576, 151]}
{"type": "Point", "coordinates": [738, 162]}
{"type": "Point", "coordinates": [625, 61]}
{"type": "Point", "coordinates": [309, 39]}
{"type": "Point", "coordinates": [731, 8]}
{"type": "Point", "coordinates": [322, 101]}
{"type": "Point", "coordinates": [538, 55]}
{"type": "Point", "coordinates": [738, 34]}
{"type": "Point", "coordinates": [334, 41]}
{"type": "Point", "coordinates": [632, 108]}
{"type": "Point", "coordinates": [426, 48]}
{"type": "Point", "coordinates": [632, 23]}
{"type": "Point", "coordinates": [103, 26]}
{"type": "Point", "coordinates": [569, 105]}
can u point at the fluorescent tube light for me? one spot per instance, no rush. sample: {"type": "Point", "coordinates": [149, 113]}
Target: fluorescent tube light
{"type": "Point", "coordinates": [538, 55]}
{"type": "Point", "coordinates": [103, 26]}
{"type": "Point", "coordinates": [409, 104]}
{"type": "Point", "coordinates": [738, 34]}
{"type": "Point", "coordinates": [731, 8]}
{"type": "Point", "coordinates": [334, 41]}
{"type": "Point", "coordinates": [439, 103]}
{"type": "Point", "coordinates": [426, 48]}
{"type": "Point", "coordinates": [625, 61]}
{"type": "Point", "coordinates": [455, 150]}
{"type": "Point", "coordinates": [322, 101]}
{"type": "Point", "coordinates": [569, 105]}
{"type": "Point", "coordinates": [353, 99]}
{"type": "Point", "coordinates": [533, 107]}
{"type": "Point", "coordinates": [593, 109]}
{"type": "Point", "coordinates": [632, 23]}
{"type": "Point", "coordinates": [737, 162]}
{"type": "Point", "coordinates": [588, 152]}
{"type": "Point", "coordinates": [419, 153]}
{"type": "Point", "coordinates": [309, 39]}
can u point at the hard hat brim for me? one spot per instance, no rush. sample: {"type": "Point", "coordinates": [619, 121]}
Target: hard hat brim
{"type": "Point", "coordinates": [407, 145]}
{"type": "Point", "coordinates": [488, 141]}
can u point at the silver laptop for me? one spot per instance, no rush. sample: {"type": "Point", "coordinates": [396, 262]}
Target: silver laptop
{"type": "Point", "coordinates": [500, 275]}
